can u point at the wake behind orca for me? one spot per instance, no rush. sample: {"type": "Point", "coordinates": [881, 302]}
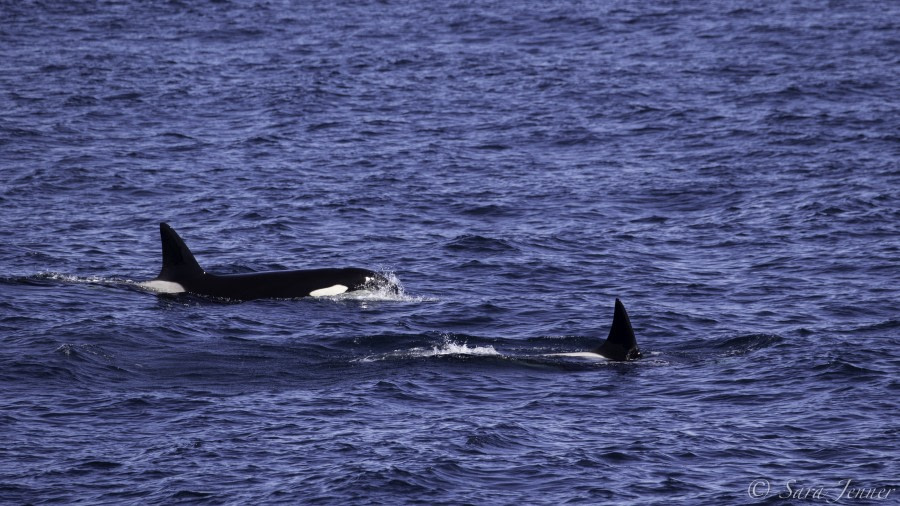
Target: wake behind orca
{"type": "Point", "coordinates": [181, 273]}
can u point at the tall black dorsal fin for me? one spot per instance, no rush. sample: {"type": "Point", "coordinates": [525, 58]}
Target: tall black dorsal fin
{"type": "Point", "coordinates": [620, 344]}
{"type": "Point", "coordinates": [178, 261]}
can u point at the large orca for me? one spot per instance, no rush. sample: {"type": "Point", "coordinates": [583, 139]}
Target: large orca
{"type": "Point", "coordinates": [620, 344]}
{"type": "Point", "coordinates": [181, 273]}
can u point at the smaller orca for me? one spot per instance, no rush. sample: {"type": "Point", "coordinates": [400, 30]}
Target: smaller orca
{"type": "Point", "coordinates": [620, 345]}
{"type": "Point", "coordinates": [181, 273]}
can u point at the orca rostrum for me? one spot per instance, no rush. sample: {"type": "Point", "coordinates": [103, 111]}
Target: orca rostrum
{"type": "Point", "coordinates": [181, 273]}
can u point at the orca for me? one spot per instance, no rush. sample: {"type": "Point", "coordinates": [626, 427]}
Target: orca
{"type": "Point", "coordinates": [620, 344]}
{"type": "Point", "coordinates": [181, 273]}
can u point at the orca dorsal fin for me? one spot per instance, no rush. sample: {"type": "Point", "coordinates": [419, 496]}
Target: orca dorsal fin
{"type": "Point", "coordinates": [178, 261]}
{"type": "Point", "coordinates": [620, 344]}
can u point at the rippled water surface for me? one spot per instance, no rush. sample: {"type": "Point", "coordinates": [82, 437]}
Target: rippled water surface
{"type": "Point", "coordinates": [728, 169]}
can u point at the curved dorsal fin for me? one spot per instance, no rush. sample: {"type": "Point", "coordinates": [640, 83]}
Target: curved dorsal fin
{"type": "Point", "coordinates": [621, 343]}
{"type": "Point", "coordinates": [178, 261]}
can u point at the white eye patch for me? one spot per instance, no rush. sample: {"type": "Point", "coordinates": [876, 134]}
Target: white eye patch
{"type": "Point", "coordinates": [331, 290]}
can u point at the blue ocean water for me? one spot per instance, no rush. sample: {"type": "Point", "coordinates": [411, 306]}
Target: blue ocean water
{"type": "Point", "coordinates": [728, 169]}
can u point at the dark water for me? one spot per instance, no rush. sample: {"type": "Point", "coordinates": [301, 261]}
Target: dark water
{"type": "Point", "coordinates": [728, 169]}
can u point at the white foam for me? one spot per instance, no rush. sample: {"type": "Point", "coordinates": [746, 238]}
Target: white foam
{"type": "Point", "coordinates": [328, 292]}
{"type": "Point", "coordinates": [451, 348]}
{"type": "Point", "coordinates": [448, 347]}
{"type": "Point", "coordinates": [162, 286]}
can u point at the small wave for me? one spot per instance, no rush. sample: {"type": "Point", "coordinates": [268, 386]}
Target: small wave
{"type": "Point", "coordinates": [741, 345]}
{"type": "Point", "coordinates": [478, 243]}
{"type": "Point", "coordinates": [191, 495]}
{"type": "Point", "coordinates": [493, 147]}
{"type": "Point", "coordinates": [102, 465]}
{"type": "Point", "coordinates": [844, 369]}
{"type": "Point", "coordinates": [488, 210]}
{"type": "Point", "coordinates": [884, 325]}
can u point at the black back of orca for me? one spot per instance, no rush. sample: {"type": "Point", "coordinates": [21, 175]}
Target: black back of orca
{"type": "Point", "coordinates": [180, 267]}
{"type": "Point", "coordinates": [621, 343]}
